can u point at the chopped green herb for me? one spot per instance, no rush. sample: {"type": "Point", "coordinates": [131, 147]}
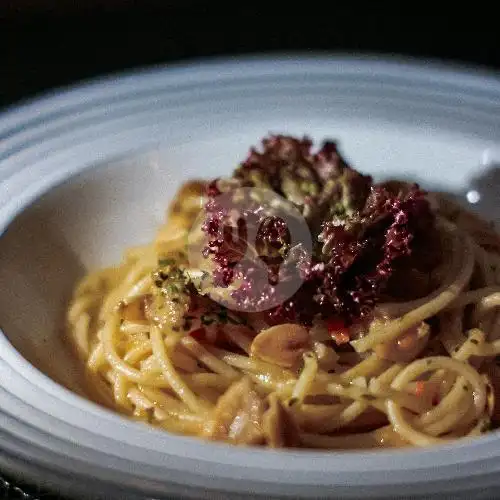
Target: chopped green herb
{"type": "Point", "coordinates": [206, 319]}
{"type": "Point", "coordinates": [173, 288]}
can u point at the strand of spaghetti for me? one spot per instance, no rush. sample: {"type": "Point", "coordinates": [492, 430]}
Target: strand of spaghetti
{"type": "Point", "coordinates": [93, 283]}
{"type": "Point", "coordinates": [370, 366]}
{"type": "Point", "coordinates": [467, 427]}
{"type": "Point", "coordinates": [170, 405]}
{"type": "Point", "coordinates": [380, 438]}
{"type": "Point", "coordinates": [178, 426]}
{"type": "Point", "coordinates": [386, 377]}
{"type": "Point", "coordinates": [324, 419]}
{"type": "Point", "coordinates": [451, 400]}
{"type": "Point", "coordinates": [132, 328]}
{"type": "Point", "coordinates": [469, 423]}
{"type": "Point", "coordinates": [208, 359]}
{"type": "Point", "coordinates": [472, 296]}
{"type": "Point", "coordinates": [81, 334]}
{"type": "Point", "coordinates": [405, 399]}
{"type": "Point", "coordinates": [489, 349]}
{"type": "Point", "coordinates": [378, 384]}
{"type": "Point", "coordinates": [138, 289]}
{"type": "Point", "coordinates": [138, 399]}
{"type": "Point", "coordinates": [235, 335]}
{"type": "Point", "coordinates": [129, 371]}
{"type": "Point", "coordinates": [138, 353]}
{"type": "Point", "coordinates": [460, 409]}
{"type": "Point", "coordinates": [462, 369]}
{"type": "Point", "coordinates": [120, 390]}
{"type": "Point", "coordinates": [140, 251]}
{"type": "Point", "coordinates": [176, 383]}
{"type": "Point", "coordinates": [110, 327]}
{"type": "Point", "coordinates": [158, 381]}
{"type": "Point", "coordinates": [80, 306]}
{"type": "Point", "coordinates": [179, 360]}
{"type": "Point", "coordinates": [134, 274]}
{"type": "Point", "coordinates": [473, 345]}
{"type": "Point", "coordinates": [321, 418]}
{"type": "Point", "coordinates": [251, 364]}
{"type": "Point", "coordinates": [305, 379]}
{"type": "Point", "coordinates": [396, 327]}
{"type": "Point", "coordinates": [270, 384]}
{"type": "Point", "coordinates": [399, 418]}
{"type": "Point", "coordinates": [174, 241]}
{"type": "Point", "coordinates": [352, 412]}
{"type": "Point", "coordinates": [97, 358]}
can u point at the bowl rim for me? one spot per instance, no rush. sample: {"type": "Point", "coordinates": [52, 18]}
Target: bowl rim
{"type": "Point", "coordinates": [214, 460]}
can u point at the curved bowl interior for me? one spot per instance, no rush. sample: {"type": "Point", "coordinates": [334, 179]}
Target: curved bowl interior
{"type": "Point", "coordinates": [89, 220]}
{"type": "Point", "coordinates": [92, 201]}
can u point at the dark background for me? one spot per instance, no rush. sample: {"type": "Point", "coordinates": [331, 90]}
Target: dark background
{"type": "Point", "coordinates": [52, 43]}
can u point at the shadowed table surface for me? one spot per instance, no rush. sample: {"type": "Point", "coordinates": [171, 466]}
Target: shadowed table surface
{"type": "Point", "coordinates": [48, 44]}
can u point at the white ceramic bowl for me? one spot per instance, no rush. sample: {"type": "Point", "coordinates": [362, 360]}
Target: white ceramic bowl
{"type": "Point", "coordinates": [87, 172]}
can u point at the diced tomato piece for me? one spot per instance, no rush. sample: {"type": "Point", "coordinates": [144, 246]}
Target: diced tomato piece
{"type": "Point", "coordinates": [198, 334]}
{"type": "Point", "coordinates": [335, 324]}
{"type": "Point", "coordinates": [340, 337]}
{"type": "Point", "coordinates": [338, 331]}
{"type": "Point", "coordinates": [419, 388]}
{"type": "Point", "coordinates": [212, 336]}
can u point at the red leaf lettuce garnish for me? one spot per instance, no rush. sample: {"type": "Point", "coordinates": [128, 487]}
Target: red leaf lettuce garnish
{"type": "Point", "coordinates": [363, 233]}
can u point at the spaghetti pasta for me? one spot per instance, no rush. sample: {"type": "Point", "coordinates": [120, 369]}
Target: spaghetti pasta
{"type": "Point", "coordinates": [418, 373]}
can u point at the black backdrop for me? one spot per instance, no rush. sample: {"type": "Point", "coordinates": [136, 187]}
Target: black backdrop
{"type": "Point", "coordinates": [51, 43]}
